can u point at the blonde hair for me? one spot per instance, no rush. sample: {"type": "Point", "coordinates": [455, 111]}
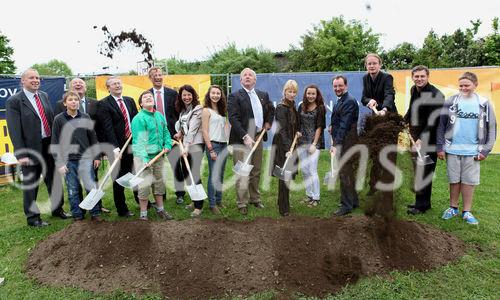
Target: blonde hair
{"type": "Point", "coordinates": [373, 55]}
{"type": "Point", "coordinates": [154, 69]}
{"type": "Point", "coordinates": [290, 85]}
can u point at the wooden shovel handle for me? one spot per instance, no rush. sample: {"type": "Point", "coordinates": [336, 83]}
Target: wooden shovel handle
{"type": "Point", "coordinates": [111, 168]}
{"type": "Point", "coordinates": [414, 144]}
{"type": "Point", "coordinates": [296, 137]}
{"type": "Point", "coordinates": [259, 138]}
{"type": "Point", "coordinates": [186, 161]}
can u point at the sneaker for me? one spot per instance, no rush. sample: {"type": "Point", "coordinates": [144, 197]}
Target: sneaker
{"type": "Point", "coordinates": [449, 213]}
{"type": "Point", "coordinates": [469, 218]}
{"type": "Point", "coordinates": [179, 200]}
{"type": "Point", "coordinates": [189, 206]}
{"type": "Point", "coordinates": [164, 215]}
{"type": "Point", "coordinates": [196, 213]}
{"type": "Point", "coordinates": [143, 218]}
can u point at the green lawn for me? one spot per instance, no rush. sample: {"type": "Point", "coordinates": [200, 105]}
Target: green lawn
{"type": "Point", "coordinates": [476, 275]}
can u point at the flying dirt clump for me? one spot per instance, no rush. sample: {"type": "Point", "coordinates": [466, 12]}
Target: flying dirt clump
{"type": "Point", "coordinates": [115, 42]}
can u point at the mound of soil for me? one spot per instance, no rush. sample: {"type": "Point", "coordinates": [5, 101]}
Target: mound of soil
{"type": "Point", "coordinates": [199, 259]}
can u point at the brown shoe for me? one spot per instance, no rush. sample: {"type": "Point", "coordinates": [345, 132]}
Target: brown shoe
{"type": "Point", "coordinates": [243, 210]}
{"type": "Point", "coordinates": [96, 219]}
{"type": "Point", "coordinates": [215, 210]}
{"type": "Point", "coordinates": [164, 215]}
{"type": "Point", "coordinates": [196, 213]}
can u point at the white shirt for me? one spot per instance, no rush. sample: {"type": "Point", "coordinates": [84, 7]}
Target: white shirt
{"type": "Point", "coordinates": [31, 98]}
{"type": "Point", "coordinates": [256, 108]}
{"type": "Point", "coordinates": [82, 105]}
{"type": "Point", "coordinates": [126, 109]}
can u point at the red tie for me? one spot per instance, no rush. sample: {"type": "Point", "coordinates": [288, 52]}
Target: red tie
{"type": "Point", "coordinates": [41, 111]}
{"type": "Point", "coordinates": [125, 117]}
{"type": "Point", "coordinates": [159, 102]}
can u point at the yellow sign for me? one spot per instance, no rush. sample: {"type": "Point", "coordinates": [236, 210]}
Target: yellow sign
{"type": "Point", "coordinates": [133, 86]}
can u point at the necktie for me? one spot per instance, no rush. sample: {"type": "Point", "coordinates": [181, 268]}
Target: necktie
{"type": "Point", "coordinates": [82, 106]}
{"type": "Point", "coordinates": [41, 111]}
{"type": "Point", "coordinates": [159, 102]}
{"type": "Point", "coordinates": [125, 117]}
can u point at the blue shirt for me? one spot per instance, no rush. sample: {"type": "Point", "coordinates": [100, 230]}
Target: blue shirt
{"type": "Point", "coordinates": [465, 132]}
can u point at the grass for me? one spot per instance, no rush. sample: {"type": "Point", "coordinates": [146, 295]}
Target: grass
{"type": "Point", "coordinates": [475, 275]}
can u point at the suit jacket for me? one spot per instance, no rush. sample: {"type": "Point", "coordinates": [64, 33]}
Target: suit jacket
{"type": "Point", "coordinates": [288, 121]}
{"type": "Point", "coordinates": [169, 96]}
{"type": "Point", "coordinates": [241, 115]}
{"type": "Point", "coordinates": [111, 119]}
{"type": "Point", "coordinates": [344, 119]}
{"type": "Point", "coordinates": [381, 89]}
{"type": "Point", "coordinates": [91, 107]}
{"type": "Point", "coordinates": [23, 122]}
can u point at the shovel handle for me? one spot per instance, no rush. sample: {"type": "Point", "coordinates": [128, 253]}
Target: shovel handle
{"type": "Point", "coordinates": [261, 135]}
{"type": "Point", "coordinates": [414, 145]}
{"type": "Point", "coordinates": [186, 161]}
{"type": "Point", "coordinates": [332, 158]}
{"type": "Point", "coordinates": [296, 137]}
{"type": "Point", "coordinates": [106, 177]}
{"type": "Point", "coordinates": [375, 110]}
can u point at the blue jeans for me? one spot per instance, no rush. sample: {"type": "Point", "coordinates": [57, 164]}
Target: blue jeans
{"type": "Point", "coordinates": [83, 169]}
{"type": "Point", "coordinates": [216, 173]}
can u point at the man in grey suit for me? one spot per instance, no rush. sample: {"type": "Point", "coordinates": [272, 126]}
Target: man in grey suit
{"type": "Point", "coordinates": [29, 121]}
{"type": "Point", "coordinates": [250, 112]}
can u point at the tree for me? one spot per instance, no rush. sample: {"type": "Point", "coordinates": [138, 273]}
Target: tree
{"type": "Point", "coordinates": [401, 57]}
{"type": "Point", "coordinates": [334, 45]}
{"type": "Point", "coordinates": [231, 60]}
{"type": "Point", "coordinates": [6, 63]}
{"type": "Point", "coordinates": [491, 46]}
{"type": "Point", "coordinates": [54, 68]}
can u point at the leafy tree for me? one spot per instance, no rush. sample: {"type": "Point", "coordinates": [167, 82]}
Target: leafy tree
{"type": "Point", "coordinates": [231, 60]}
{"type": "Point", "coordinates": [401, 57]}
{"type": "Point", "coordinates": [334, 45]}
{"type": "Point", "coordinates": [492, 46]}
{"type": "Point", "coordinates": [6, 63]}
{"type": "Point", "coordinates": [54, 68]}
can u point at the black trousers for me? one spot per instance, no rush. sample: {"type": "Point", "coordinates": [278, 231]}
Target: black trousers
{"type": "Point", "coordinates": [347, 178]}
{"type": "Point", "coordinates": [283, 197]}
{"type": "Point", "coordinates": [51, 178]}
{"type": "Point", "coordinates": [423, 191]}
{"type": "Point", "coordinates": [176, 163]}
{"type": "Point", "coordinates": [126, 165]}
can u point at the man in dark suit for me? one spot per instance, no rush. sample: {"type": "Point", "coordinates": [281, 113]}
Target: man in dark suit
{"type": "Point", "coordinates": [165, 104]}
{"type": "Point", "coordinates": [426, 102]}
{"type": "Point", "coordinates": [250, 112]}
{"type": "Point", "coordinates": [89, 106]}
{"type": "Point", "coordinates": [378, 86]}
{"type": "Point", "coordinates": [344, 129]}
{"type": "Point", "coordinates": [29, 121]}
{"type": "Point", "coordinates": [115, 113]}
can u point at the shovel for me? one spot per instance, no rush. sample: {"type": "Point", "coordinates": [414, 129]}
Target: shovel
{"type": "Point", "coordinates": [130, 180]}
{"type": "Point", "coordinates": [96, 194]}
{"type": "Point", "coordinates": [331, 176]}
{"type": "Point", "coordinates": [243, 168]}
{"type": "Point", "coordinates": [195, 191]}
{"type": "Point", "coordinates": [421, 160]}
{"type": "Point", "coordinates": [283, 173]}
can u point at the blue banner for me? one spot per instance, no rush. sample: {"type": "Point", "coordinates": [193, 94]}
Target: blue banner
{"type": "Point", "coordinates": [10, 86]}
{"type": "Point", "coordinates": [273, 85]}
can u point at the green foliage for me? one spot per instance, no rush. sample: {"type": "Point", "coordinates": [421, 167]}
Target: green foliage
{"type": "Point", "coordinates": [401, 57]}
{"type": "Point", "coordinates": [91, 91]}
{"type": "Point", "coordinates": [492, 46]}
{"type": "Point", "coordinates": [334, 45]}
{"type": "Point", "coordinates": [6, 63]}
{"type": "Point", "coordinates": [53, 68]}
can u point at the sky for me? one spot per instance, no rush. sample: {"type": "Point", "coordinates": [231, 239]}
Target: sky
{"type": "Point", "coordinates": [191, 30]}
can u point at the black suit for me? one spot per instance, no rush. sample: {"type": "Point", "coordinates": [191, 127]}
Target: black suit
{"type": "Point", "coordinates": [25, 131]}
{"type": "Point", "coordinates": [344, 122]}
{"type": "Point", "coordinates": [174, 157]}
{"type": "Point", "coordinates": [381, 89]}
{"type": "Point", "coordinates": [113, 125]}
{"type": "Point", "coordinates": [241, 115]}
{"type": "Point", "coordinates": [242, 122]}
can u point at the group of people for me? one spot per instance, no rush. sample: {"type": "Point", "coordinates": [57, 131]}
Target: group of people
{"type": "Point", "coordinates": [175, 124]}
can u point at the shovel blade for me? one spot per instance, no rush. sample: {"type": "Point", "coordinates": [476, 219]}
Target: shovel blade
{"type": "Point", "coordinates": [125, 180]}
{"type": "Point", "coordinates": [282, 174]}
{"type": "Point", "coordinates": [136, 181]}
{"type": "Point", "coordinates": [196, 192]}
{"type": "Point", "coordinates": [91, 200]}
{"type": "Point", "coordinates": [242, 169]}
{"type": "Point", "coordinates": [424, 160]}
{"type": "Point", "coordinates": [330, 179]}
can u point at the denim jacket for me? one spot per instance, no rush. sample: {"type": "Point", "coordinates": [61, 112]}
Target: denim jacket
{"type": "Point", "coordinates": [487, 128]}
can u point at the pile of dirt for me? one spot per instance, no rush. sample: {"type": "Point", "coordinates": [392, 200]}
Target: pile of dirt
{"type": "Point", "coordinates": [380, 132]}
{"type": "Point", "coordinates": [199, 259]}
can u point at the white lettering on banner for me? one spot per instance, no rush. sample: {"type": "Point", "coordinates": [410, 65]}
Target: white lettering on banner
{"type": "Point", "coordinates": [7, 92]}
